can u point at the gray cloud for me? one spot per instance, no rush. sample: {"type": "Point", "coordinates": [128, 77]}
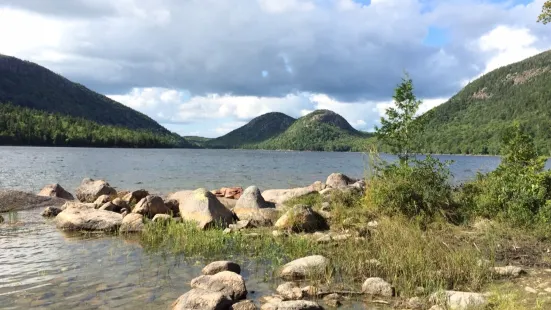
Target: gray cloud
{"type": "Point", "coordinates": [223, 46]}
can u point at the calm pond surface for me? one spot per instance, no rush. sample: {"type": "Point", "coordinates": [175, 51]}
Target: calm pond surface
{"type": "Point", "coordinates": [43, 268]}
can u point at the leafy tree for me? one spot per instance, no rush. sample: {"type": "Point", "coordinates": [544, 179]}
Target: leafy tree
{"type": "Point", "coordinates": [398, 129]}
{"type": "Point", "coordinates": [545, 16]}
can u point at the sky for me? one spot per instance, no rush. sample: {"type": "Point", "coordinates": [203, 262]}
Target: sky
{"type": "Point", "coordinates": [206, 67]}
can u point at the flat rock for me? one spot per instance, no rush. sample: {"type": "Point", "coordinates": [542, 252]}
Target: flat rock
{"type": "Point", "coordinates": [314, 266]}
{"type": "Point", "coordinates": [228, 283]}
{"type": "Point", "coordinates": [13, 200]}
{"type": "Point", "coordinates": [89, 190]}
{"type": "Point", "coordinates": [55, 190]}
{"type": "Point", "coordinates": [508, 271]}
{"type": "Point", "coordinates": [458, 300]}
{"type": "Point", "coordinates": [200, 299]}
{"type": "Point", "coordinates": [132, 222]}
{"type": "Point", "coordinates": [377, 287]}
{"type": "Point", "coordinates": [280, 196]}
{"type": "Point", "coordinates": [88, 219]}
{"type": "Point", "coordinates": [202, 207]}
{"type": "Point", "coordinates": [219, 266]}
{"type": "Point", "coordinates": [151, 206]}
{"type": "Point", "coordinates": [301, 218]}
{"type": "Point", "coordinates": [298, 305]}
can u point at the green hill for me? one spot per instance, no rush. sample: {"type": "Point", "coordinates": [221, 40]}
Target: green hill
{"type": "Point", "coordinates": [321, 130]}
{"type": "Point", "coordinates": [31, 94]}
{"type": "Point", "coordinates": [259, 129]}
{"type": "Point", "coordinates": [472, 121]}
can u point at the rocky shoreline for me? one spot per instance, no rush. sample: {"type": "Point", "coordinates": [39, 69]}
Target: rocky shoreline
{"type": "Point", "coordinates": [99, 207]}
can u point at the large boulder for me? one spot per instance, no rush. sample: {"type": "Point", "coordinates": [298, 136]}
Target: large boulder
{"type": "Point", "coordinates": [228, 283]}
{"type": "Point", "coordinates": [151, 206]}
{"type": "Point", "coordinates": [301, 218]}
{"type": "Point", "coordinates": [55, 190]}
{"type": "Point", "coordinates": [338, 180]}
{"type": "Point", "coordinates": [459, 300]}
{"type": "Point", "coordinates": [200, 299]}
{"type": "Point", "coordinates": [89, 190]}
{"type": "Point", "coordinates": [132, 222]}
{"type": "Point", "coordinates": [377, 287]}
{"type": "Point", "coordinates": [315, 266]}
{"type": "Point", "coordinates": [280, 196]}
{"type": "Point", "coordinates": [135, 196]}
{"type": "Point", "coordinates": [202, 207]}
{"type": "Point", "coordinates": [252, 206]}
{"type": "Point", "coordinates": [89, 219]}
{"type": "Point", "coordinates": [13, 200]}
{"type": "Point", "coordinates": [219, 266]}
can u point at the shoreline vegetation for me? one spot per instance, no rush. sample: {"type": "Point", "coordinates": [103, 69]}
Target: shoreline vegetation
{"type": "Point", "coordinates": [403, 236]}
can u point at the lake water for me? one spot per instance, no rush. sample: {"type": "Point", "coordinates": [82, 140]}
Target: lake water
{"type": "Point", "coordinates": [43, 268]}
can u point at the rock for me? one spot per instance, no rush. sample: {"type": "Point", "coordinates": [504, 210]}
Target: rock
{"type": "Point", "coordinates": [458, 300]}
{"type": "Point", "coordinates": [244, 305]}
{"type": "Point", "coordinates": [12, 200]}
{"type": "Point", "coordinates": [301, 218]}
{"type": "Point", "coordinates": [162, 218]}
{"type": "Point", "coordinates": [150, 206]}
{"type": "Point", "coordinates": [219, 266]}
{"type": "Point", "coordinates": [315, 266]}
{"type": "Point", "coordinates": [318, 186]}
{"type": "Point", "coordinates": [324, 239]}
{"type": "Point", "coordinates": [135, 196]}
{"type": "Point", "coordinates": [101, 200]}
{"type": "Point", "coordinates": [229, 192]}
{"type": "Point", "coordinates": [415, 303]}
{"type": "Point", "coordinates": [227, 202]}
{"type": "Point", "coordinates": [202, 207]}
{"type": "Point", "coordinates": [298, 305]}
{"type": "Point", "coordinates": [120, 203]}
{"type": "Point", "coordinates": [132, 222]}
{"type": "Point", "coordinates": [377, 287]}
{"type": "Point", "coordinates": [55, 190]}
{"type": "Point", "coordinates": [359, 185]}
{"type": "Point", "coordinates": [327, 192]}
{"type": "Point", "coordinates": [338, 180]}
{"type": "Point", "coordinates": [239, 225]}
{"type": "Point", "coordinates": [174, 206]}
{"type": "Point", "coordinates": [289, 291]}
{"type": "Point", "coordinates": [277, 233]}
{"type": "Point", "coordinates": [325, 206]}
{"type": "Point", "coordinates": [200, 299]}
{"type": "Point", "coordinates": [251, 205]}
{"type": "Point", "coordinates": [280, 196]}
{"type": "Point", "coordinates": [51, 212]}
{"type": "Point", "coordinates": [89, 190]}
{"type": "Point", "coordinates": [83, 218]}
{"type": "Point", "coordinates": [124, 212]}
{"type": "Point", "coordinates": [508, 271]}
{"type": "Point", "coordinates": [373, 224]}
{"type": "Point", "coordinates": [109, 206]}
{"type": "Point", "coordinates": [530, 290]}
{"type": "Point", "coordinates": [228, 283]}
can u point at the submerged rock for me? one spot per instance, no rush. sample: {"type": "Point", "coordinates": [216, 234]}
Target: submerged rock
{"type": "Point", "coordinates": [51, 212]}
{"type": "Point", "coordinates": [132, 222]}
{"type": "Point", "coordinates": [315, 266]}
{"type": "Point", "coordinates": [228, 283]}
{"type": "Point", "coordinates": [13, 200]}
{"type": "Point", "coordinates": [202, 299]}
{"type": "Point", "coordinates": [252, 206]}
{"type": "Point", "coordinates": [83, 218]}
{"type": "Point", "coordinates": [377, 287]}
{"type": "Point", "coordinates": [151, 206]}
{"type": "Point", "coordinates": [301, 218]}
{"type": "Point", "coordinates": [202, 207]}
{"type": "Point", "coordinates": [458, 300]}
{"type": "Point", "coordinates": [55, 190]}
{"type": "Point", "coordinates": [89, 190]}
{"type": "Point", "coordinates": [219, 266]}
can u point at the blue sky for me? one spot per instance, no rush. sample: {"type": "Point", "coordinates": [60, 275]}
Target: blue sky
{"type": "Point", "coordinates": [207, 67]}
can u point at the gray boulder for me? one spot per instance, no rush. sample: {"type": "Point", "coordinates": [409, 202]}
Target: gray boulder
{"type": "Point", "coordinates": [151, 206]}
{"type": "Point", "coordinates": [89, 190]}
{"type": "Point", "coordinates": [377, 287]}
{"type": "Point", "coordinates": [301, 218]}
{"type": "Point", "coordinates": [252, 206]}
{"type": "Point", "coordinates": [315, 266]}
{"type": "Point", "coordinates": [132, 222]}
{"type": "Point", "coordinates": [55, 190]}
{"type": "Point", "coordinates": [338, 180]}
{"type": "Point", "coordinates": [280, 196]}
{"type": "Point", "coordinates": [200, 299]}
{"type": "Point", "coordinates": [458, 300]}
{"type": "Point", "coordinates": [13, 200]}
{"type": "Point", "coordinates": [219, 266]}
{"type": "Point", "coordinates": [51, 212]}
{"type": "Point", "coordinates": [244, 305]}
{"type": "Point", "coordinates": [89, 219]}
{"type": "Point", "coordinates": [202, 207]}
{"type": "Point", "coordinates": [230, 284]}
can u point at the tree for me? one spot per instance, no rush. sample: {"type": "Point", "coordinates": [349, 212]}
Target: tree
{"type": "Point", "coordinates": [399, 128]}
{"type": "Point", "coordinates": [545, 16]}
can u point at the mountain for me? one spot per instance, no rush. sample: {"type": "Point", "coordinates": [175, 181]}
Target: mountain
{"type": "Point", "coordinates": [29, 90]}
{"type": "Point", "coordinates": [259, 129]}
{"type": "Point", "coordinates": [321, 130]}
{"type": "Point", "coordinates": [473, 120]}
